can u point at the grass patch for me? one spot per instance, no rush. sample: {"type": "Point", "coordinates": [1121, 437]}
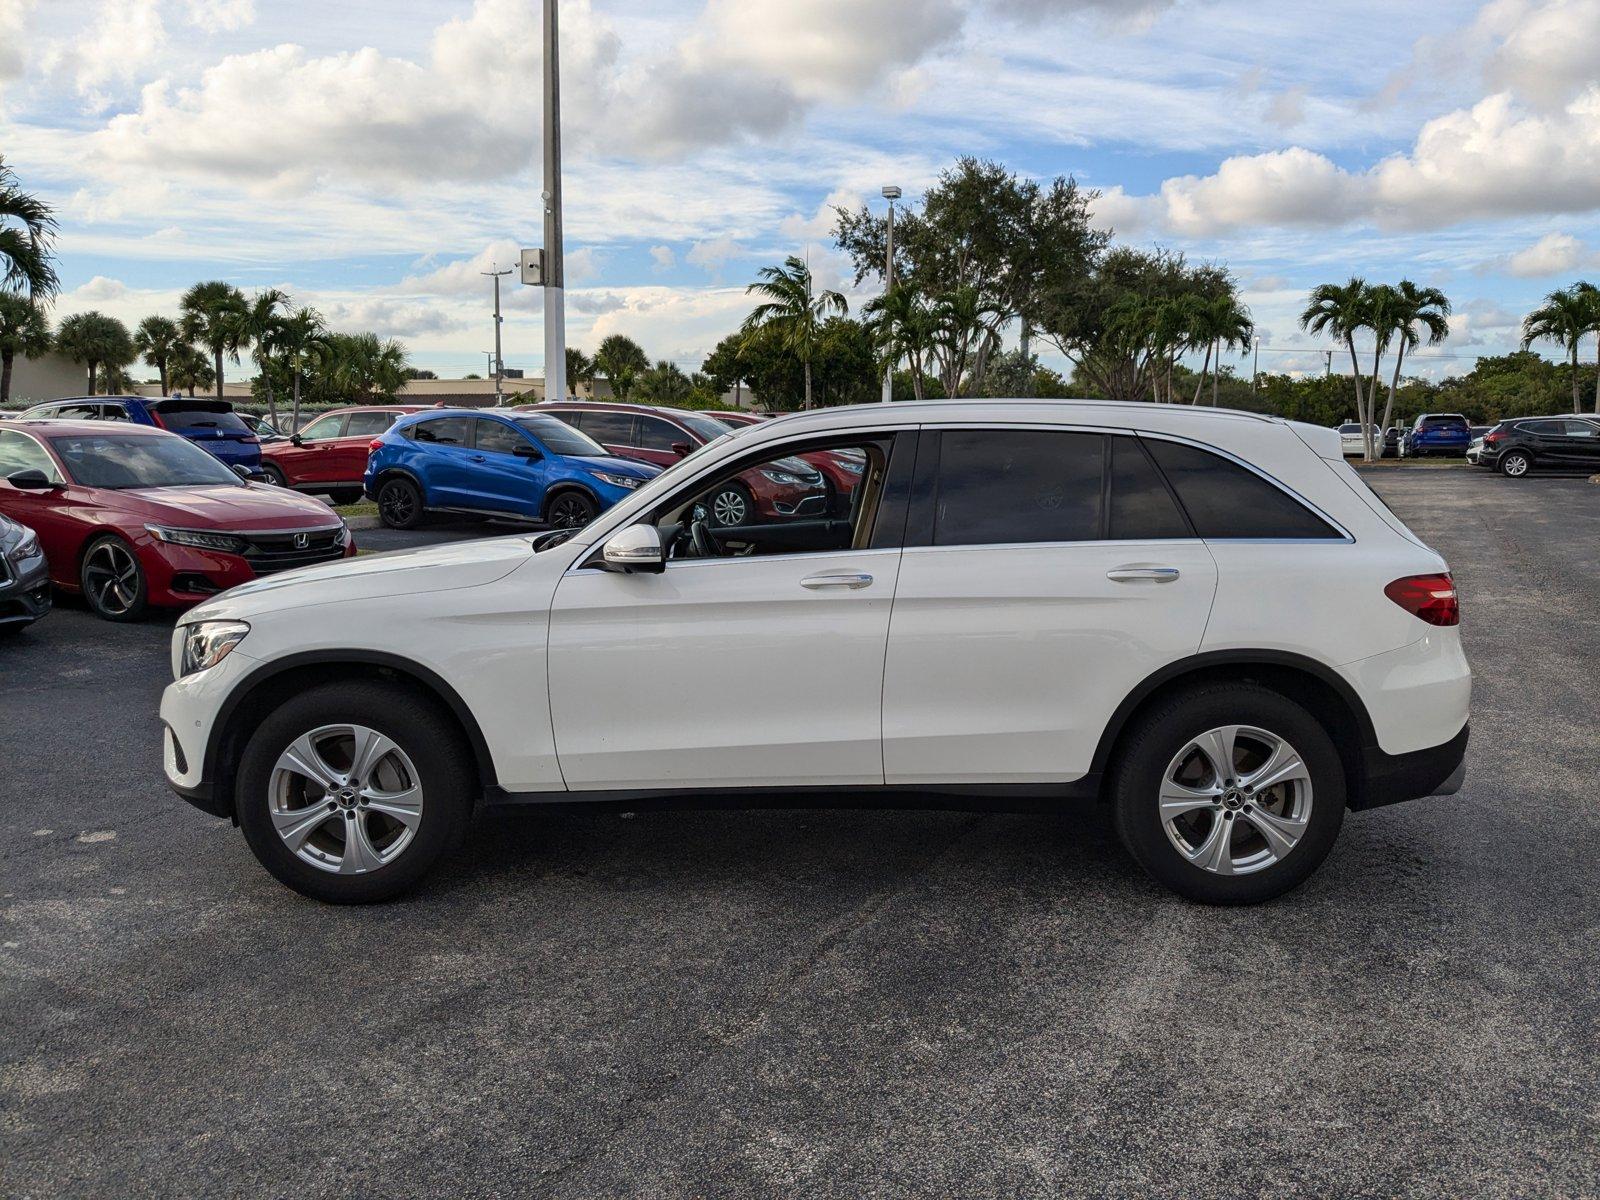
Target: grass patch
{"type": "Point", "coordinates": [361, 508]}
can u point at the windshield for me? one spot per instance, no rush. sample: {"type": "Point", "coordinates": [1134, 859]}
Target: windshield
{"type": "Point", "coordinates": [706, 427]}
{"type": "Point", "coordinates": [111, 460]}
{"type": "Point", "coordinates": [560, 438]}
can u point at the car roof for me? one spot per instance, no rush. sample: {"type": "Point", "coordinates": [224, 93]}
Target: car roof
{"type": "Point", "coordinates": [53, 425]}
{"type": "Point", "coordinates": [354, 408]}
{"type": "Point", "coordinates": [654, 410]}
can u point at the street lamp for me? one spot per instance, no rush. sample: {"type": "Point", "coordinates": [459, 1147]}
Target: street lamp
{"type": "Point", "coordinates": [1255, 369]}
{"type": "Point", "coordinates": [499, 363]}
{"type": "Point", "coordinates": [891, 194]}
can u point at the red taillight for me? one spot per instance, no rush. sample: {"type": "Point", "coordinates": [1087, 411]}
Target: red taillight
{"type": "Point", "coordinates": [1493, 436]}
{"type": "Point", "coordinates": [374, 444]}
{"type": "Point", "coordinates": [1431, 598]}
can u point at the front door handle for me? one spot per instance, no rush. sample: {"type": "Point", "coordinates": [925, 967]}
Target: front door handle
{"type": "Point", "coordinates": [1142, 574]}
{"type": "Point", "coordinates": [851, 582]}
{"type": "Point", "coordinates": [479, 458]}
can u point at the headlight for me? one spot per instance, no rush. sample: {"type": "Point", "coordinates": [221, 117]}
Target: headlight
{"type": "Point", "coordinates": [208, 643]}
{"type": "Point", "coordinates": [201, 539]}
{"type": "Point", "coordinates": [626, 482]}
{"type": "Point", "coordinates": [343, 536]}
{"type": "Point", "coordinates": [26, 548]}
{"type": "Point", "coordinates": [788, 479]}
{"type": "Point", "coordinates": [849, 467]}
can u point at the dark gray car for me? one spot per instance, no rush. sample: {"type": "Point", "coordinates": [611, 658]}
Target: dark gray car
{"type": "Point", "coordinates": [24, 577]}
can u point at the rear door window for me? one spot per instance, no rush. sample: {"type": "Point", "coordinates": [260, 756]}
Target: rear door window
{"type": "Point", "coordinates": [1008, 486]}
{"type": "Point", "coordinates": [368, 424]}
{"type": "Point", "coordinates": [1142, 507]}
{"type": "Point", "coordinates": [445, 431]}
{"type": "Point", "coordinates": [1225, 500]}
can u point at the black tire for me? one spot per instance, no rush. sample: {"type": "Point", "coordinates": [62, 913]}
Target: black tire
{"type": "Point", "coordinates": [400, 503]}
{"type": "Point", "coordinates": [346, 496]}
{"type": "Point", "coordinates": [274, 474]}
{"type": "Point", "coordinates": [113, 580]}
{"type": "Point", "coordinates": [727, 502]}
{"type": "Point", "coordinates": [570, 509]}
{"type": "Point", "coordinates": [426, 734]}
{"type": "Point", "coordinates": [1514, 464]}
{"type": "Point", "coordinates": [1162, 732]}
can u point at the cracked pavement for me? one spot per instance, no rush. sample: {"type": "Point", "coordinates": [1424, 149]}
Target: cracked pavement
{"type": "Point", "coordinates": [821, 1003]}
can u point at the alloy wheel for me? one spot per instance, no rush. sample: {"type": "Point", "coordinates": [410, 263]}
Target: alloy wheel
{"type": "Point", "coordinates": [398, 504]}
{"type": "Point", "coordinates": [729, 507]}
{"type": "Point", "coordinates": [345, 798]}
{"type": "Point", "coordinates": [1516, 465]}
{"type": "Point", "coordinates": [111, 576]}
{"type": "Point", "coordinates": [1236, 799]}
{"type": "Point", "coordinates": [570, 511]}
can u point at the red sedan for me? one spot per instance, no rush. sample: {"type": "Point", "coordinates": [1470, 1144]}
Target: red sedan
{"type": "Point", "coordinates": [329, 455]}
{"type": "Point", "coordinates": [135, 518]}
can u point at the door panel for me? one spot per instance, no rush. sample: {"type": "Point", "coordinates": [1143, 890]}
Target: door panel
{"type": "Point", "coordinates": [737, 672]}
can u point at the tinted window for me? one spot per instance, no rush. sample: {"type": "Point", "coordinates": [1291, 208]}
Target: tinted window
{"type": "Point", "coordinates": [496, 437]}
{"type": "Point", "coordinates": [1141, 505]}
{"type": "Point", "coordinates": [560, 438]}
{"type": "Point", "coordinates": [1002, 485]}
{"type": "Point", "coordinates": [323, 427]}
{"type": "Point", "coordinates": [1582, 429]}
{"type": "Point", "coordinates": [1226, 501]}
{"type": "Point", "coordinates": [191, 420]}
{"type": "Point", "coordinates": [447, 431]}
{"type": "Point", "coordinates": [707, 427]}
{"type": "Point", "coordinates": [1447, 422]}
{"type": "Point", "coordinates": [113, 460]}
{"type": "Point", "coordinates": [368, 424]}
{"type": "Point", "coordinates": [613, 428]}
{"type": "Point", "coordinates": [652, 433]}
{"type": "Point", "coordinates": [18, 452]}
{"type": "Point", "coordinates": [75, 412]}
{"type": "Point", "coordinates": [1543, 428]}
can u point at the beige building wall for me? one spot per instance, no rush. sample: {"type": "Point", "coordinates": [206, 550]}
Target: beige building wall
{"type": "Point", "coordinates": [52, 377]}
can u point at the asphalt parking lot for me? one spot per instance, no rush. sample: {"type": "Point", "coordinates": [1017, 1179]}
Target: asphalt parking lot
{"type": "Point", "coordinates": [821, 1003]}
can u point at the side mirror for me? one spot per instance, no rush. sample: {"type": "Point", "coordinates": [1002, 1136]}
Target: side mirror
{"type": "Point", "coordinates": [32, 480]}
{"type": "Point", "coordinates": [636, 549]}
{"type": "Point", "coordinates": [681, 448]}
{"type": "Point", "coordinates": [531, 453]}
{"type": "Point", "coordinates": [297, 439]}
{"type": "Point", "coordinates": [243, 472]}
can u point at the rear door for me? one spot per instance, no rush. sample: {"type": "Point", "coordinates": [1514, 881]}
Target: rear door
{"type": "Point", "coordinates": [347, 455]}
{"type": "Point", "coordinates": [444, 459]}
{"type": "Point", "coordinates": [1046, 572]}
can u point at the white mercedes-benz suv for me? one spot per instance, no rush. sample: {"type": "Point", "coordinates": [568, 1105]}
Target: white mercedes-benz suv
{"type": "Point", "coordinates": [1204, 619]}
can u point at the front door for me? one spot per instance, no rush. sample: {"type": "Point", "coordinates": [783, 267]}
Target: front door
{"type": "Point", "coordinates": [506, 481]}
{"type": "Point", "coordinates": [754, 660]}
{"type": "Point", "coordinates": [1041, 594]}
{"type": "Point", "coordinates": [312, 460]}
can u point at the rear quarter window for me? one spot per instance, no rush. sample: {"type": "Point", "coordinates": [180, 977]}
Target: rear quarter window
{"type": "Point", "coordinates": [1226, 501]}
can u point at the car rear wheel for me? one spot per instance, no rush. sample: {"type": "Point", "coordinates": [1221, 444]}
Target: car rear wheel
{"type": "Point", "coordinates": [730, 504]}
{"type": "Point", "coordinates": [1515, 464]}
{"type": "Point", "coordinates": [113, 582]}
{"type": "Point", "coordinates": [570, 510]}
{"type": "Point", "coordinates": [275, 475]}
{"type": "Point", "coordinates": [1229, 794]}
{"type": "Point", "coordinates": [351, 792]}
{"type": "Point", "coordinates": [400, 504]}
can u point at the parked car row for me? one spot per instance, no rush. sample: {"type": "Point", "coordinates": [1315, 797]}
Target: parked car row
{"type": "Point", "coordinates": [1526, 444]}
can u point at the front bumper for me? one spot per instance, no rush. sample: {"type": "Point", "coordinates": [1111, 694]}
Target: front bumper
{"type": "Point", "coordinates": [189, 710]}
{"type": "Point", "coordinates": [24, 590]}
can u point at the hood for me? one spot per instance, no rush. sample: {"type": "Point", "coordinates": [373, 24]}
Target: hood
{"type": "Point", "coordinates": [252, 507]}
{"type": "Point", "coordinates": [403, 573]}
{"type": "Point", "coordinates": [613, 465]}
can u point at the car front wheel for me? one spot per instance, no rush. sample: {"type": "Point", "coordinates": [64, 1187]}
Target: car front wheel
{"type": "Point", "coordinates": [1515, 464]}
{"type": "Point", "coordinates": [112, 580]}
{"type": "Point", "coordinates": [275, 475]}
{"type": "Point", "coordinates": [1229, 794]}
{"type": "Point", "coordinates": [350, 793]}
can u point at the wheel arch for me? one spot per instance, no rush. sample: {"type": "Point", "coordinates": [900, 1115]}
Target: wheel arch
{"type": "Point", "coordinates": [272, 683]}
{"type": "Point", "coordinates": [563, 486]}
{"type": "Point", "coordinates": [1309, 683]}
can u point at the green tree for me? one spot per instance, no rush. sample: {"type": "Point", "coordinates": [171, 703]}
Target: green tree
{"type": "Point", "coordinates": [724, 368]}
{"type": "Point", "coordinates": [357, 368]}
{"type": "Point", "coordinates": [302, 341]}
{"type": "Point", "coordinates": [1564, 318]}
{"type": "Point", "coordinates": [903, 328]}
{"type": "Point", "coordinates": [1590, 295]}
{"type": "Point", "coordinates": [620, 360]}
{"type": "Point", "coordinates": [27, 232]}
{"type": "Point", "coordinates": [1014, 374]}
{"type": "Point", "coordinates": [1221, 323]}
{"type": "Point", "coordinates": [793, 310]}
{"type": "Point", "coordinates": [93, 339]}
{"type": "Point", "coordinates": [154, 340]}
{"type": "Point", "coordinates": [1408, 306]}
{"type": "Point", "coordinates": [1340, 311]}
{"type": "Point", "coordinates": [188, 368]}
{"type": "Point", "coordinates": [663, 384]}
{"type": "Point", "coordinates": [24, 331]}
{"type": "Point", "coordinates": [262, 327]}
{"type": "Point", "coordinates": [580, 369]}
{"type": "Point", "coordinates": [215, 315]}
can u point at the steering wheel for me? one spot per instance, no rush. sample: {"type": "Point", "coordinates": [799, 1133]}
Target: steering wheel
{"type": "Point", "coordinates": [703, 540]}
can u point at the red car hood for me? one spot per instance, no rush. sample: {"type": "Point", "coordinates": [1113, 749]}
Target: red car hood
{"type": "Point", "coordinates": [221, 506]}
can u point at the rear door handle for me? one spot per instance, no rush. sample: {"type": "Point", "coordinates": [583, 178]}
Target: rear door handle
{"type": "Point", "coordinates": [1142, 574]}
{"type": "Point", "coordinates": [852, 582]}
{"type": "Point", "coordinates": [479, 458]}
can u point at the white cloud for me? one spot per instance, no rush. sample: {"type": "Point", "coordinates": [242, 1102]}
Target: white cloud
{"type": "Point", "coordinates": [1284, 187]}
{"type": "Point", "coordinates": [1288, 108]}
{"type": "Point", "coordinates": [114, 46]}
{"type": "Point", "coordinates": [714, 254]}
{"type": "Point", "coordinates": [1553, 254]}
{"type": "Point", "coordinates": [663, 258]}
{"type": "Point", "coordinates": [13, 37]}
{"type": "Point", "coordinates": [1546, 51]}
{"type": "Point", "coordinates": [220, 16]}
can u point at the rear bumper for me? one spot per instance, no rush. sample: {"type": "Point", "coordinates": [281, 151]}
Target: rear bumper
{"type": "Point", "coordinates": [1436, 771]}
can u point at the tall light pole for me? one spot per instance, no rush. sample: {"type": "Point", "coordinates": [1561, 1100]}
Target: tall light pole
{"type": "Point", "coordinates": [488, 364]}
{"type": "Point", "coordinates": [891, 194]}
{"type": "Point", "coordinates": [1255, 369]}
{"type": "Point", "coordinates": [499, 363]}
{"type": "Point", "coordinates": [555, 313]}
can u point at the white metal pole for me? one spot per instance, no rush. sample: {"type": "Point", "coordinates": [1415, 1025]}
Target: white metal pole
{"type": "Point", "coordinates": [499, 362]}
{"type": "Point", "coordinates": [555, 314]}
{"type": "Point", "coordinates": [891, 194]}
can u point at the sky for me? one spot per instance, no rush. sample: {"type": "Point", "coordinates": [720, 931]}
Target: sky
{"type": "Point", "coordinates": [372, 158]}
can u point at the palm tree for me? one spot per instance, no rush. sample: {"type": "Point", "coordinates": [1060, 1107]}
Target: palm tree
{"type": "Point", "coordinates": [262, 328]}
{"type": "Point", "coordinates": [188, 369]}
{"type": "Point", "coordinates": [1565, 318]}
{"type": "Point", "coordinates": [1408, 307]}
{"type": "Point", "coordinates": [1340, 310]}
{"type": "Point", "coordinates": [965, 334]}
{"type": "Point", "coordinates": [24, 331]}
{"type": "Point", "coordinates": [621, 360]}
{"type": "Point", "coordinates": [793, 311]}
{"type": "Point", "coordinates": [93, 338]}
{"type": "Point", "coordinates": [27, 229]}
{"type": "Point", "coordinates": [155, 339]}
{"type": "Point", "coordinates": [214, 316]}
{"type": "Point", "coordinates": [302, 340]}
{"type": "Point", "coordinates": [902, 328]}
{"type": "Point", "coordinates": [1221, 323]}
{"type": "Point", "coordinates": [580, 368]}
{"type": "Point", "coordinates": [1591, 300]}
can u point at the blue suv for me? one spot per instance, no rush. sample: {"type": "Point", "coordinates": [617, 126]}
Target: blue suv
{"type": "Point", "coordinates": [525, 466]}
{"type": "Point", "coordinates": [1437, 433]}
{"type": "Point", "coordinates": [210, 424]}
